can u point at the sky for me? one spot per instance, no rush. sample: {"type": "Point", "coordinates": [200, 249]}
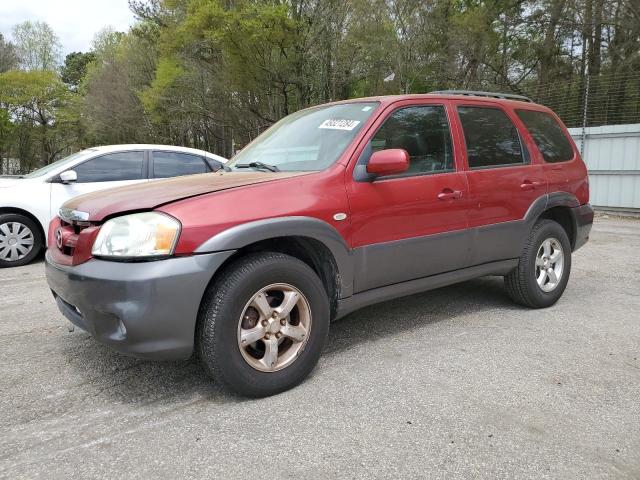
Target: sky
{"type": "Point", "coordinates": [74, 21]}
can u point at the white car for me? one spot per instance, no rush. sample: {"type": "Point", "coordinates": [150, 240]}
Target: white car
{"type": "Point", "coordinates": [29, 202]}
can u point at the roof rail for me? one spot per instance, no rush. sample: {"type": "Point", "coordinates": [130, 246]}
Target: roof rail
{"type": "Point", "coordinates": [471, 93]}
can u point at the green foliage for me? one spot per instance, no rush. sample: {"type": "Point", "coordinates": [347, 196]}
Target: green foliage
{"type": "Point", "coordinates": [168, 73]}
{"type": "Point", "coordinates": [6, 131]}
{"type": "Point", "coordinates": [75, 67]}
{"type": "Point", "coordinates": [41, 109]}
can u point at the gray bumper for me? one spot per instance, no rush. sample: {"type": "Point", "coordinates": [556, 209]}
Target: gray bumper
{"type": "Point", "coordinates": [148, 310]}
{"type": "Point", "coordinates": [582, 223]}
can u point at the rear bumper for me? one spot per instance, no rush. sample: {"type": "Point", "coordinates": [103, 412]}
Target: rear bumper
{"type": "Point", "coordinates": [148, 310]}
{"type": "Point", "coordinates": [582, 223]}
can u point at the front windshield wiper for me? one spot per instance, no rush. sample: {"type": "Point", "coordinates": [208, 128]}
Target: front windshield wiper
{"type": "Point", "coordinates": [258, 165]}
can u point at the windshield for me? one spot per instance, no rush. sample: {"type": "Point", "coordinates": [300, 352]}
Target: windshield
{"type": "Point", "coordinates": [59, 163]}
{"type": "Point", "coordinates": [307, 140]}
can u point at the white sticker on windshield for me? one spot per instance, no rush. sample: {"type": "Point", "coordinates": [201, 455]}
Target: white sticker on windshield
{"type": "Point", "coordinates": [367, 108]}
{"type": "Point", "coordinates": [339, 124]}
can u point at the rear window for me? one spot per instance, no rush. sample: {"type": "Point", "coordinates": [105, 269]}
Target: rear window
{"type": "Point", "coordinates": [548, 135]}
{"type": "Point", "coordinates": [176, 164]}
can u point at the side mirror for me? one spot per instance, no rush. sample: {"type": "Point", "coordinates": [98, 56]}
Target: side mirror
{"type": "Point", "coordinates": [388, 162]}
{"type": "Point", "coordinates": [69, 176]}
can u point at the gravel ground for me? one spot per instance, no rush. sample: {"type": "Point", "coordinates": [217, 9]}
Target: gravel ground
{"type": "Point", "coordinates": [453, 383]}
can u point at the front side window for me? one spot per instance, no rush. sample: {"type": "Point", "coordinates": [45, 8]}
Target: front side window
{"type": "Point", "coordinates": [112, 167]}
{"type": "Point", "coordinates": [492, 139]}
{"type": "Point", "coordinates": [174, 164]}
{"type": "Point", "coordinates": [423, 131]}
{"type": "Point", "coordinates": [548, 135]}
{"type": "Point", "coordinates": [307, 140]}
{"type": "Point", "coordinates": [60, 163]}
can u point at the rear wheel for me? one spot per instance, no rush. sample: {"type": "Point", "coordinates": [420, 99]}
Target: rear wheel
{"type": "Point", "coordinates": [20, 240]}
{"type": "Point", "coordinates": [543, 271]}
{"type": "Point", "coordinates": [263, 324]}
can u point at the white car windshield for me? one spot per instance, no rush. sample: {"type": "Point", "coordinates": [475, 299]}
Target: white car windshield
{"type": "Point", "coordinates": [307, 140]}
{"type": "Point", "coordinates": [59, 163]}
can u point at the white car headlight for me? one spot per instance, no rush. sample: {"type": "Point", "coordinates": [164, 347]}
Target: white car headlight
{"type": "Point", "coordinates": [148, 234]}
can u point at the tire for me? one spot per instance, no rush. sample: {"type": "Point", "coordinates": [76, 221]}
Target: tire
{"type": "Point", "coordinates": [20, 240]}
{"type": "Point", "coordinates": [522, 283]}
{"type": "Point", "coordinates": [231, 296]}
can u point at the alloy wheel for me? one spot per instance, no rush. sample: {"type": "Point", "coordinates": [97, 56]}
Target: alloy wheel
{"type": "Point", "coordinates": [274, 327]}
{"type": "Point", "coordinates": [549, 264]}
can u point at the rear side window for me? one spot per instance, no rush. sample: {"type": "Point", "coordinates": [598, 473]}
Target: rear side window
{"type": "Point", "coordinates": [423, 131]}
{"type": "Point", "coordinates": [492, 139]}
{"type": "Point", "coordinates": [172, 164]}
{"type": "Point", "coordinates": [548, 135]}
{"type": "Point", "coordinates": [113, 167]}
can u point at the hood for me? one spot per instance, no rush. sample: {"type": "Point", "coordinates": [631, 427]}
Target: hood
{"type": "Point", "coordinates": [147, 196]}
{"type": "Point", "coordinates": [9, 181]}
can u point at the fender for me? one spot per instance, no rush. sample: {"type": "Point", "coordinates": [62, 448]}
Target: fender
{"type": "Point", "coordinates": [581, 215]}
{"type": "Point", "coordinates": [298, 226]}
{"type": "Point", "coordinates": [548, 201]}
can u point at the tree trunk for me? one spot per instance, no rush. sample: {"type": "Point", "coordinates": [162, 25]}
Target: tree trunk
{"type": "Point", "coordinates": [548, 55]}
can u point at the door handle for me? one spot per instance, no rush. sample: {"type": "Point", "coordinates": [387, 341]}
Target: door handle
{"type": "Point", "coordinates": [448, 194]}
{"type": "Point", "coordinates": [529, 185]}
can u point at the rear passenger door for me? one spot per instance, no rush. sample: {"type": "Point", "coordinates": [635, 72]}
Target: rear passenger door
{"type": "Point", "coordinates": [503, 179]}
{"type": "Point", "coordinates": [166, 164]}
{"type": "Point", "coordinates": [563, 171]}
{"type": "Point", "coordinates": [414, 224]}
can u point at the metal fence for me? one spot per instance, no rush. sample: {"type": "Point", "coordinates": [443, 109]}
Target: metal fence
{"type": "Point", "coordinates": [612, 155]}
{"type": "Point", "coordinates": [590, 101]}
{"type": "Point", "coordinates": [603, 113]}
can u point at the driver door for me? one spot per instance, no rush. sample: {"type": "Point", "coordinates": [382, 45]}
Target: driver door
{"type": "Point", "coordinates": [99, 173]}
{"type": "Point", "coordinates": [411, 225]}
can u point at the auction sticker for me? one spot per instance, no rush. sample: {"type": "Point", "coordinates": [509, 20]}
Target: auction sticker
{"type": "Point", "coordinates": [339, 124]}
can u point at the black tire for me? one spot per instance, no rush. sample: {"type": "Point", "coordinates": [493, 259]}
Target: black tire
{"type": "Point", "coordinates": [38, 240]}
{"type": "Point", "coordinates": [223, 304]}
{"type": "Point", "coordinates": [521, 284]}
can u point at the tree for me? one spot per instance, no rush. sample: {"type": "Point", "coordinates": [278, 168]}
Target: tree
{"type": "Point", "coordinates": [75, 67]}
{"type": "Point", "coordinates": [8, 57]}
{"type": "Point", "coordinates": [215, 73]}
{"type": "Point", "coordinates": [112, 108]}
{"type": "Point", "coordinates": [39, 105]}
{"type": "Point", "coordinates": [6, 133]}
{"type": "Point", "coordinates": [37, 46]}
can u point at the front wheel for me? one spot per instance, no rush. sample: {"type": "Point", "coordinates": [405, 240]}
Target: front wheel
{"type": "Point", "coordinates": [262, 324]}
{"type": "Point", "coordinates": [543, 271]}
{"type": "Point", "coordinates": [20, 240]}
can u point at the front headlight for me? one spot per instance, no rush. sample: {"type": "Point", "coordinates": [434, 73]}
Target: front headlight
{"type": "Point", "coordinates": [148, 234]}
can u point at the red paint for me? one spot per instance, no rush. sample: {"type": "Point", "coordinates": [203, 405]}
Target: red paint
{"type": "Point", "coordinates": [147, 196]}
{"type": "Point", "coordinates": [318, 195]}
{"type": "Point", "coordinates": [76, 247]}
{"type": "Point", "coordinates": [380, 211]}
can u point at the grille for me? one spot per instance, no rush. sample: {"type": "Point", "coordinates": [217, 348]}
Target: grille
{"type": "Point", "coordinates": [67, 239]}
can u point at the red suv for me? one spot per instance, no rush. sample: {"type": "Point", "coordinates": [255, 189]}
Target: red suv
{"type": "Point", "coordinates": [333, 208]}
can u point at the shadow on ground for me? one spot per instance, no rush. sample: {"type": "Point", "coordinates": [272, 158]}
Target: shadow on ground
{"type": "Point", "coordinates": [128, 380]}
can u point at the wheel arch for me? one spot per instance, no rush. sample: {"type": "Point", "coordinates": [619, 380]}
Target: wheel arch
{"type": "Point", "coordinates": [559, 207]}
{"type": "Point", "coordinates": [30, 216]}
{"type": "Point", "coordinates": [312, 241]}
